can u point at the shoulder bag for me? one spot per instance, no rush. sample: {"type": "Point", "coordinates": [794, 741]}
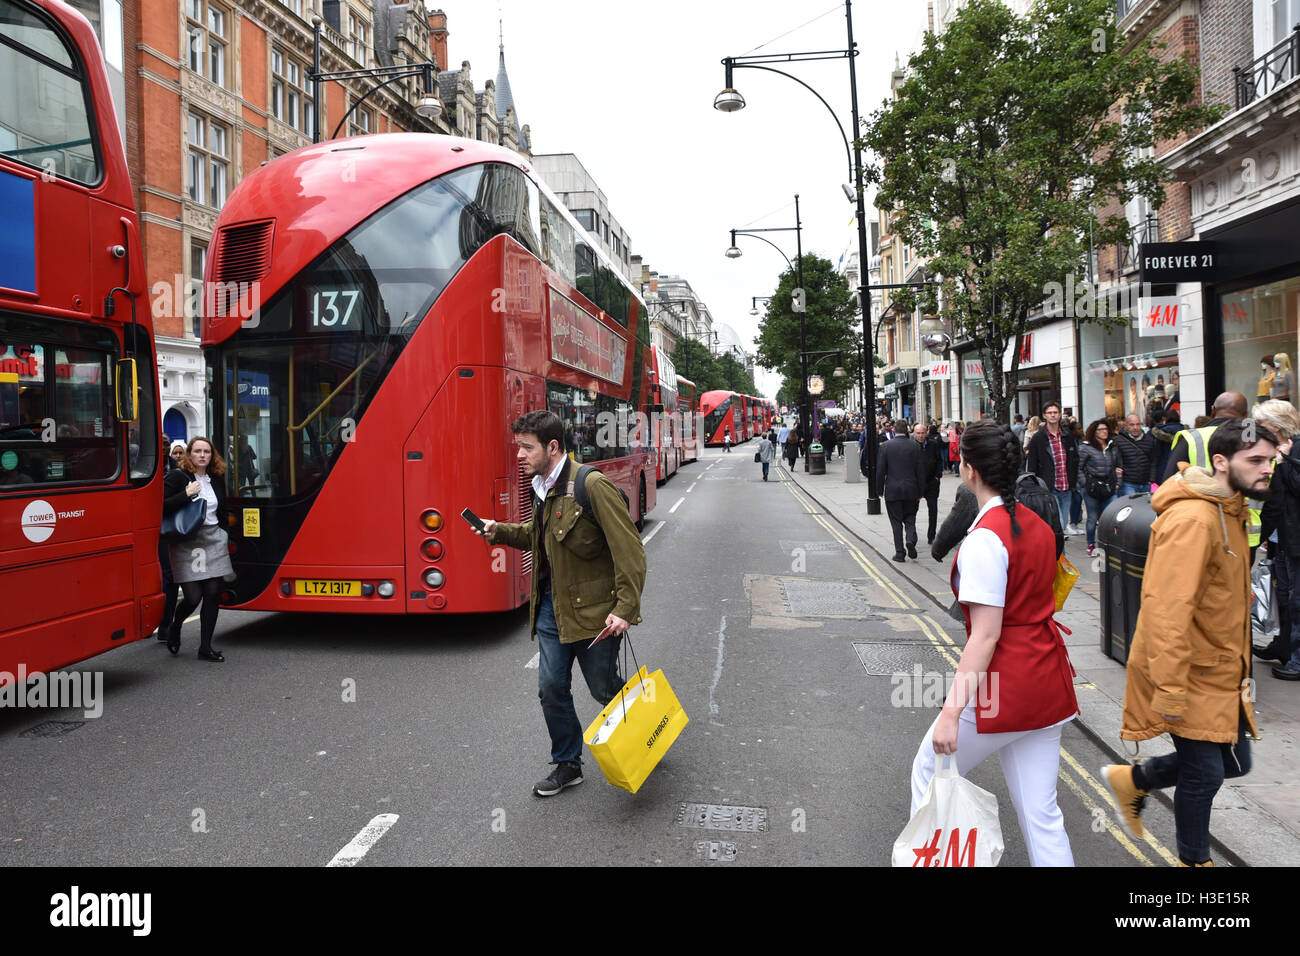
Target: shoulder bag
{"type": "Point", "coordinates": [182, 524]}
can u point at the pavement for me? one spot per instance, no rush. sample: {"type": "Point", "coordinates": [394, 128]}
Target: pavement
{"type": "Point", "coordinates": [1256, 819]}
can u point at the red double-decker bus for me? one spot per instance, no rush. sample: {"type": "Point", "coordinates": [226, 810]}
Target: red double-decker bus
{"type": "Point", "coordinates": [80, 484]}
{"type": "Point", "coordinates": [727, 412]}
{"type": "Point", "coordinates": [383, 308]}
{"type": "Point", "coordinates": [687, 420]}
{"type": "Point", "coordinates": [666, 422]}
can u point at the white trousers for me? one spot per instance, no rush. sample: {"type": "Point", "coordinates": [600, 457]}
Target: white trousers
{"type": "Point", "coordinates": [1030, 761]}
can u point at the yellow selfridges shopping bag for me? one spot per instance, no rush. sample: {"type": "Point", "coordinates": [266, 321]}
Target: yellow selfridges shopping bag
{"type": "Point", "coordinates": [635, 730]}
{"type": "Point", "coordinates": [1066, 575]}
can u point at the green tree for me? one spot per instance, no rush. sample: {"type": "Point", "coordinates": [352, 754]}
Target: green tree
{"type": "Point", "coordinates": [694, 361]}
{"type": "Point", "coordinates": [1008, 137]}
{"type": "Point", "coordinates": [832, 320]}
{"type": "Point", "coordinates": [734, 375]}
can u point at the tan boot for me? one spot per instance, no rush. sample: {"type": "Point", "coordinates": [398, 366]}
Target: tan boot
{"type": "Point", "coordinates": [1206, 863]}
{"type": "Point", "coordinates": [1128, 798]}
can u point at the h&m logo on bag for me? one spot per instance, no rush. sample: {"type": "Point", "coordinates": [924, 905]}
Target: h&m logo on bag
{"type": "Point", "coordinates": [658, 730]}
{"type": "Point", "coordinates": [956, 852]}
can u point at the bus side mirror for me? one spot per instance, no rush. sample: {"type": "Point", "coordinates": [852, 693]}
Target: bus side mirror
{"type": "Point", "coordinates": [127, 391]}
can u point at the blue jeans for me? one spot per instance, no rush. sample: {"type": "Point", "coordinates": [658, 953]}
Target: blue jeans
{"type": "Point", "coordinates": [766, 466]}
{"type": "Point", "coordinates": [1063, 501]}
{"type": "Point", "coordinates": [1076, 507]}
{"type": "Point", "coordinates": [1095, 507]}
{"type": "Point", "coordinates": [1197, 769]}
{"type": "Point", "coordinates": [1134, 487]}
{"type": "Point", "coordinates": [554, 680]}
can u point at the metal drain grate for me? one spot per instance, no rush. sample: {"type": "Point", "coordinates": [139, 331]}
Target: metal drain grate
{"type": "Point", "coordinates": [824, 599]}
{"type": "Point", "coordinates": [886, 659]}
{"type": "Point", "coordinates": [715, 850]}
{"type": "Point", "coordinates": [719, 816]}
{"type": "Point", "coordinates": [812, 547]}
{"type": "Point", "coordinates": [52, 728]}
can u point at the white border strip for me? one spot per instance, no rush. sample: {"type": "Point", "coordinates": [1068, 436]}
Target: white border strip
{"type": "Point", "coordinates": [352, 854]}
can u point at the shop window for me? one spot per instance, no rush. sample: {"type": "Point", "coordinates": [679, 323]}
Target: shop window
{"type": "Point", "coordinates": [1260, 327]}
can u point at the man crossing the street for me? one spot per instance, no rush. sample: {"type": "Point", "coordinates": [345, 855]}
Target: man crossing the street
{"type": "Point", "coordinates": [1189, 663]}
{"type": "Point", "coordinates": [588, 574]}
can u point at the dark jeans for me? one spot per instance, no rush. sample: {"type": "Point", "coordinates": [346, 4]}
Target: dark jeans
{"type": "Point", "coordinates": [1076, 508]}
{"type": "Point", "coordinates": [902, 514]}
{"type": "Point", "coordinates": [1197, 769]}
{"type": "Point", "coordinates": [766, 466]}
{"type": "Point", "coordinates": [1095, 507]}
{"type": "Point", "coordinates": [554, 680]}
{"type": "Point", "coordinates": [1287, 595]}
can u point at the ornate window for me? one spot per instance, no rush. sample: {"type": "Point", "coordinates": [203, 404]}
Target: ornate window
{"type": "Point", "coordinates": [206, 36]}
{"type": "Point", "coordinates": [209, 160]}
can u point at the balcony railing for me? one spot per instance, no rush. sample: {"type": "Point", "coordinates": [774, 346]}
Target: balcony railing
{"type": "Point", "coordinates": [1126, 254]}
{"type": "Point", "coordinates": [1275, 68]}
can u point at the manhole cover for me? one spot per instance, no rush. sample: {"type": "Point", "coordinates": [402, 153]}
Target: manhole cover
{"type": "Point", "coordinates": [897, 657]}
{"type": "Point", "coordinates": [811, 547]}
{"type": "Point", "coordinates": [715, 850]}
{"type": "Point", "coordinates": [824, 599]}
{"type": "Point", "coordinates": [718, 816]}
{"type": "Point", "coordinates": [52, 728]}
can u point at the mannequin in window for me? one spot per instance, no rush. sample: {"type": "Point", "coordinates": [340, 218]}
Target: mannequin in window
{"type": "Point", "coordinates": [1266, 372]}
{"type": "Point", "coordinates": [1281, 388]}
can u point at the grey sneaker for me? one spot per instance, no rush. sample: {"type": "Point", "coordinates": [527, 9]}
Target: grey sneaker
{"type": "Point", "coordinates": [565, 774]}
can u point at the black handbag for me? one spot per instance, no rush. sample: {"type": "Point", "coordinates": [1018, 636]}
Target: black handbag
{"type": "Point", "coordinates": [182, 524]}
{"type": "Point", "coordinates": [1100, 488]}
{"type": "Point", "coordinates": [758, 456]}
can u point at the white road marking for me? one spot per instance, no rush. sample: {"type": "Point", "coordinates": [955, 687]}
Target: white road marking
{"type": "Point", "coordinates": [676, 506]}
{"type": "Point", "coordinates": [534, 662]}
{"type": "Point", "coordinates": [692, 487]}
{"type": "Point", "coordinates": [717, 672]}
{"type": "Point", "coordinates": [646, 539]}
{"type": "Point", "coordinates": [352, 854]}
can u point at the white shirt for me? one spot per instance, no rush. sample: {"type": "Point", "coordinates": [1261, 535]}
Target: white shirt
{"type": "Point", "coordinates": [542, 486]}
{"type": "Point", "coordinates": [982, 564]}
{"type": "Point", "coordinates": [208, 495]}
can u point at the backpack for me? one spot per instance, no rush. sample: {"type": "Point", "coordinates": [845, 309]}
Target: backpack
{"type": "Point", "coordinates": [1033, 493]}
{"type": "Point", "coordinates": [583, 499]}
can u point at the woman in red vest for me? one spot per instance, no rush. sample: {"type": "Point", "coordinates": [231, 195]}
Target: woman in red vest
{"type": "Point", "coordinates": [1015, 686]}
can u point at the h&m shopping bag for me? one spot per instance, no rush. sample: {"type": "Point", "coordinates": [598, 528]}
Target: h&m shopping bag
{"type": "Point", "coordinates": [635, 730]}
{"type": "Point", "coordinates": [955, 825]}
{"type": "Point", "coordinates": [1066, 575]}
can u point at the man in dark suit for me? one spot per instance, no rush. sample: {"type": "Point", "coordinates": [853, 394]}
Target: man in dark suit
{"type": "Point", "coordinates": [936, 454]}
{"type": "Point", "coordinates": [900, 480]}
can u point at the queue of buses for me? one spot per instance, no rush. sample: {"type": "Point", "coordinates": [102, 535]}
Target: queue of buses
{"type": "Point", "coordinates": [374, 309]}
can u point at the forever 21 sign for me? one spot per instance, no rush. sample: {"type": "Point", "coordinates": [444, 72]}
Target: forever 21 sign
{"type": "Point", "coordinates": [1178, 262]}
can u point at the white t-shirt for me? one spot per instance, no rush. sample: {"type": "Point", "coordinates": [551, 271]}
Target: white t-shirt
{"type": "Point", "coordinates": [208, 495]}
{"type": "Point", "coordinates": [982, 564]}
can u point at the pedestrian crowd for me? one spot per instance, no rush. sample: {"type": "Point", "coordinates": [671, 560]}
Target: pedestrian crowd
{"type": "Point", "coordinates": [1226, 495]}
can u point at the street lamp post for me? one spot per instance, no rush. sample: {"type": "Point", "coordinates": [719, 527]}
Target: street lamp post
{"type": "Point", "coordinates": [730, 100]}
{"type": "Point", "coordinates": [428, 105]}
{"type": "Point", "coordinates": [839, 372]}
{"type": "Point", "coordinates": [796, 305]}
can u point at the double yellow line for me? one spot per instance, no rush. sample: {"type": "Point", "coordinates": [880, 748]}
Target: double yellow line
{"type": "Point", "coordinates": [1100, 807]}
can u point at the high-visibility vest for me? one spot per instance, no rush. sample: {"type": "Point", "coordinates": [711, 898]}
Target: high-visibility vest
{"type": "Point", "coordinates": [1198, 455]}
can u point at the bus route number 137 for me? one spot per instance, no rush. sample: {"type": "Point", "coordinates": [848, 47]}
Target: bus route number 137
{"type": "Point", "coordinates": [333, 309]}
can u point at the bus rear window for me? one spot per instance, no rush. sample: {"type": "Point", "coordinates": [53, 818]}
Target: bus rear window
{"type": "Point", "coordinates": [45, 121]}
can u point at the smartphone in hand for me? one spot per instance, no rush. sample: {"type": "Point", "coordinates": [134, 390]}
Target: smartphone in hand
{"type": "Point", "coordinates": [474, 520]}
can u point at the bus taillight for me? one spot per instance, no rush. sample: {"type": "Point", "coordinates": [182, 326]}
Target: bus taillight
{"type": "Point", "coordinates": [432, 549]}
{"type": "Point", "coordinates": [433, 578]}
{"type": "Point", "coordinates": [431, 520]}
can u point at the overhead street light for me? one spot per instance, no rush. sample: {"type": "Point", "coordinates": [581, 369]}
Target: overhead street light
{"type": "Point", "coordinates": [730, 100]}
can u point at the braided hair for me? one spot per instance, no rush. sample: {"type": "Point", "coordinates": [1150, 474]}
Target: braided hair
{"type": "Point", "coordinates": [993, 451]}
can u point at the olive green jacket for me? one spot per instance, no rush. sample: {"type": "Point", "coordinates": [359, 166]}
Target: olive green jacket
{"type": "Point", "coordinates": [597, 568]}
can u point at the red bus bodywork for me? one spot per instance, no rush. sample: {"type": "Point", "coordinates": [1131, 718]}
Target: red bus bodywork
{"type": "Point", "coordinates": [724, 412]}
{"type": "Point", "coordinates": [668, 439]}
{"type": "Point", "coordinates": [687, 410]}
{"type": "Point", "coordinates": [504, 333]}
{"type": "Point", "coordinates": [80, 492]}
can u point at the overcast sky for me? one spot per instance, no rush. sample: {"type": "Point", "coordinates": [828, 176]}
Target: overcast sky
{"type": "Point", "coordinates": [629, 87]}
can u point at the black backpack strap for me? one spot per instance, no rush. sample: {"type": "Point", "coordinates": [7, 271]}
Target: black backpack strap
{"type": "Point", "coordinates": [580, 491]}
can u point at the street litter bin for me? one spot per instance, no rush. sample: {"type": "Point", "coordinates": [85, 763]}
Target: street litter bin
{"type": "Point", "coordinates": [1123, 535]}
{"type": "Point", "coordinates": [816, 459]}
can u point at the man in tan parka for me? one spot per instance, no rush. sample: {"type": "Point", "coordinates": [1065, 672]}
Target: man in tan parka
{"type": "Point", "coordinates": [1189, 665]}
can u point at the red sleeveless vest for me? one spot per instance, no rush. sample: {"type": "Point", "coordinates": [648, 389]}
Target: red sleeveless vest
{"type": "Point", "coordinates": [1030, 681]}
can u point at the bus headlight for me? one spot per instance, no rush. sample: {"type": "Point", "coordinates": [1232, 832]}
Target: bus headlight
{"type": "Point", "coordinates": [433, 578]}
{"type": "Point", "coordinates": [431, 520]}
{"type": "Point", "coordinates": [385, 589]}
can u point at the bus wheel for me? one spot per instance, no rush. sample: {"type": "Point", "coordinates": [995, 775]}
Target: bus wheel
{"type": "Point", "coordinates": [640, 508]}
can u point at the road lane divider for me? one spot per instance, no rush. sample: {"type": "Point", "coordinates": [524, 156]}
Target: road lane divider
{"type": "Point", "coordinates": [360, 845]}
{"type": "Point", "coordinates": [692, 487]}
{"type": "Point", "coordinates": [676, 506]}
{"type": "Point", "coordinates": [654, 531]}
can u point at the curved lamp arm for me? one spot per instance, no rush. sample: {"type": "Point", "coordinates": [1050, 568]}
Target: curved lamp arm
{"type": "Point", "coordinates": [370, 92]}
{"type": "Point", "coordinates": [741, 232]}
